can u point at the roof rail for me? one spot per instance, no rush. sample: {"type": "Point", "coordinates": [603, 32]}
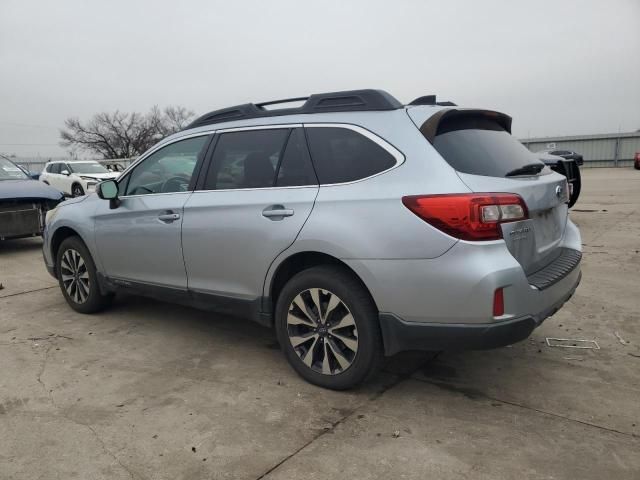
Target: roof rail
{"type": "Point", "coordinates": [431, 100]}
{"type": "Point", "coordinates": [347, 101]}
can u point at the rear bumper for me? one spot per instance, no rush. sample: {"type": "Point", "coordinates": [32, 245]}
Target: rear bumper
{"type": "Point", "coordinates": [399, 335]}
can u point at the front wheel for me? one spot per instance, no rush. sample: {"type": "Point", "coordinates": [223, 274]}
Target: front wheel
{"type": "Point", "coordinates": [327, 326]}
{"type": "Point", "coordinates": [77, 190]}
{"type": "Point", "coordinates": [78, 278]}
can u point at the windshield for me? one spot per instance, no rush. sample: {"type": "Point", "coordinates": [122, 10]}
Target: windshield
{"type": "Point", "coordinates": [9, 171]}
{"type": "Point", "coordinates": [483, 148]}
{"type": "Point", "coordinates": [87, 167]}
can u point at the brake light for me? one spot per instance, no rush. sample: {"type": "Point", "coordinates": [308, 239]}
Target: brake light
{"type": "Point", "coordinates": [469, 216]}
{"type": "Point", "coordinates": [498, 302]}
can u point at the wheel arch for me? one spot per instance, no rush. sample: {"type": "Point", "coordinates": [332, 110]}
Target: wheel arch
{"type": "Point", "coordinates": [295, 264]}
{"type": "Point", "coordinates": [57, 238]}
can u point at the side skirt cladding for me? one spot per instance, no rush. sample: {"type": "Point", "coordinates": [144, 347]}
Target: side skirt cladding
{"type": "Point", "coordinates": [221, 304]}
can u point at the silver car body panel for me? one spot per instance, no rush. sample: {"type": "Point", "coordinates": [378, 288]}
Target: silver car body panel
{"type": "Point", "coordinates": [133, 243]}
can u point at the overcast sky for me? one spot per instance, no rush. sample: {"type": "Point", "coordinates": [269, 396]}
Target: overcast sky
{"type": "Point", "coordinates": [558, 67]}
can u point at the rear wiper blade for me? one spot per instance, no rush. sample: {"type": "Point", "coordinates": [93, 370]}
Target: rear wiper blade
{"type": "Point", "coordinates": [530, 169]}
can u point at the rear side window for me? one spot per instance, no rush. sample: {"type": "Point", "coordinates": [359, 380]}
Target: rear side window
{"type": "Point", "coordinates": [343, 155]}
{"type": "Point", "coordinates": [480, 146]}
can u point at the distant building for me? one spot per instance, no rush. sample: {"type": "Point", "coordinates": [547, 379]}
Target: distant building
{"type": "Point", "coordinates": [600, 150]}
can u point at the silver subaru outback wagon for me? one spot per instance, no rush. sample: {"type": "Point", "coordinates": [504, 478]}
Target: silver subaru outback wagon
{"type": "Point", "coordinates": [355, 225]}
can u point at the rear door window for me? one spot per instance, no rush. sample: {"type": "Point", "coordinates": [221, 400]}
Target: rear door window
{"type": "Point", "coordinates": [343, 155]}
{"type": "Point", "coordinates": [480, 146]}
{"type": "Point", "coordinates": [246, 159]}
{"type": "Point", "coordinates": [296, 168]}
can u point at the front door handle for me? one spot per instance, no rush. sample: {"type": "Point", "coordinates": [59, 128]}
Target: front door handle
{"type": "Point", "coordinates": [168, 217]}
{"type": "Point", "coordinates": [276, 212]}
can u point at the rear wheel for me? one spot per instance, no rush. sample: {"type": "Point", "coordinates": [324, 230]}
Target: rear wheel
{"type": "Point", "coordinates": [77, 190]}
{"type": "Point", "coordinates": [78, 278]}
{"type": "Point", "coordinates": [327, 326]}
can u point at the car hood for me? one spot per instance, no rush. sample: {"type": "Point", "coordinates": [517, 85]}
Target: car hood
{"type": "Point", "coordinates": [27, 189]}
{"type": "Point", "coordinates": [99, 176]}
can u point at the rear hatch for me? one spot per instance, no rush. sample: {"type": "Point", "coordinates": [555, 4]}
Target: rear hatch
{"type": "Point", "coordinates": [478, 144]}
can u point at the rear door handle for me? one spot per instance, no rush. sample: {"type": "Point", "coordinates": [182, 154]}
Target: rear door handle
{"type": "Point", "coordinates": [168, 217]}
{"type": "Point", "coordinates": [277, 211]}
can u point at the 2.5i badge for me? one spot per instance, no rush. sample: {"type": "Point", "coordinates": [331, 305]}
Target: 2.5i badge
{"type": "Point", "coordinates": [519, 233]}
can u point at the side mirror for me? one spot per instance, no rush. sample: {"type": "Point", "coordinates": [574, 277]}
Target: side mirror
{"type": "Point", "coordinates": [65, 172]}
{"type": "Point", "coordinates": [108, 190]}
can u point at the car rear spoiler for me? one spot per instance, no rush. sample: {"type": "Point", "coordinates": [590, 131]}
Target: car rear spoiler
{"type": "Point", "coordinates": [457, 118]}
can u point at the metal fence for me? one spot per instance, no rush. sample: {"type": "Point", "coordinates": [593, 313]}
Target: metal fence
{"type": "Point", "coordinates": [602, 150]}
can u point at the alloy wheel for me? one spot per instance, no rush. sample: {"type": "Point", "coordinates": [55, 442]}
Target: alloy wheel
{"type": "Point", "coordinates": [75, 277]}
{"type": "Point", "coordinates": [322, 331]}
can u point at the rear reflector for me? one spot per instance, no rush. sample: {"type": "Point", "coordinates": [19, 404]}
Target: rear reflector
{"type": "Point", "coordinates": [468, 216]}
{"type": "Point", "coordinates": [498, 302]}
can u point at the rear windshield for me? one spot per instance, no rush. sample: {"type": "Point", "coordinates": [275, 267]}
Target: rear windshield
{"type": "Point", "coordinates": [480, 146]}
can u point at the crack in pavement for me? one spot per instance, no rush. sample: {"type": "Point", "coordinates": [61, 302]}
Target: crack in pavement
{"type": "Point", "coordinates": [61, 412]}
{"type": "Point", "coordinates": [473, 394]}
{"type": "Point", "coordinates": [400, 378]}
{"type": "Point", "coordinates": [27, 291]}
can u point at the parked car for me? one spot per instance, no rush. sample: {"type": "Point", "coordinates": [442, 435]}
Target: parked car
{"type": "Point", "coordinates": [566, 154]}
{"type": "Point", "coordinates": [113, 165]}
{"type": "Point", "coordinates": [32, 176]}
{"type": "Point", "coordinates": [75, 178]}
{"type": "Point", "coordinates": [567, 167]}
{"type": "Point", "coordinates": [355, 225]}
{"type": "Point", "coordinates": [23, 202]}
{"type": "Point", "coordinates": [636, 161]}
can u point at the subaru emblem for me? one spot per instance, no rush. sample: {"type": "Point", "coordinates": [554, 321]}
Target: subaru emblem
{"type": "Point", "coordinates": [559, 191]}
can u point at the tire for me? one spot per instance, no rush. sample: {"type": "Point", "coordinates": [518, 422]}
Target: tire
{"type": "Point", "coordinates": [77, 190]}
{"type": "Point", "coordinates": [333, 356]}
{"type": "Point", "coordinates": [79, 285]}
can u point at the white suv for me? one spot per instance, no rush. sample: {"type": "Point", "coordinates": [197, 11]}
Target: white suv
{"type": "Point", "coordinates": [75, 178]}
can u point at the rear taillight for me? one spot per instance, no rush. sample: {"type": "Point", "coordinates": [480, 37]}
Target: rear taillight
{"type": "Point", "coordinates": [468, 216]}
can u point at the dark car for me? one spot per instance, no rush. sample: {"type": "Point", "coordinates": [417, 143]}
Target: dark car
{"type": "Point", "coordinates": [636, 161]}
{"type": "Point", "coordinates": [568, 168]}
{"type": "Point", "coordinates": [23, 202]}
{"type": "Point", "coordinates": [566, 154]}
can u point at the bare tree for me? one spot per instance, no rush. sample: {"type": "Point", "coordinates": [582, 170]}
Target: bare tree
{"type": "Point", "coordinates": [123, 135]}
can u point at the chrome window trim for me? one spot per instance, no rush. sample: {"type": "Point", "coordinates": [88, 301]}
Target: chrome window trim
{"type": "Point", "coordinates": [397, 154]}
{"type": "Point", "coordinates": [147, 195]}
{"type": "Point", "coordinates": [259, 127]}
{"type": "Point", "coordinates": [316, 186]}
